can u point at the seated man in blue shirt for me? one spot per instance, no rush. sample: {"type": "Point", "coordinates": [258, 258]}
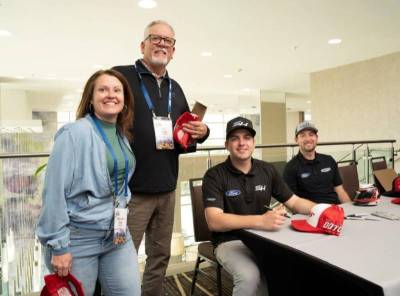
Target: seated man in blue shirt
{"type": "Point", "coordinates": [313, 175]}
{"type": "Point", "coordinates": [235, 194]}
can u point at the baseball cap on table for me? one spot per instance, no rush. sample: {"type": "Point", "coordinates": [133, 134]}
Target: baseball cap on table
{"type": "Point", "coordinates": [323, 218]}
{"type": "Point", "coordinates": [305, 125]}
{"type": "Point", "coordinates": [61, 286]}
{"type": "Point", "coordinates": [395, 192]}
{"type": "Point", "coordinates": [238, 123]}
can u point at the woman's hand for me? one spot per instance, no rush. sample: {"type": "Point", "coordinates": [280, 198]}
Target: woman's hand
{"type": "Point", "coordinates": [62, 264]}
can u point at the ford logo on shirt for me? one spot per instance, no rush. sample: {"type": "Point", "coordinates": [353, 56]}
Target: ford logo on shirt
{"type": "Point", "coordinates": [234, 192]}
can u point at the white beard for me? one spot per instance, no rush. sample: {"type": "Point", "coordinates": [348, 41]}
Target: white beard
{"type": "Point", "coordinates": [159, 61]}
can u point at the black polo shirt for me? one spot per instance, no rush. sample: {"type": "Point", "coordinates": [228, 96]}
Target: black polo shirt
{"type": "Point", "coordinates": [234, 192]}
{"type": "Point", "coordinates": [313, 179]}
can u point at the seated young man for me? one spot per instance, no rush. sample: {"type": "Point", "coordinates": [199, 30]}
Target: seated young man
{"type": "Point", "coordinates": [312, 175]}
{"type": "Point", "coordinates": [235, 194]}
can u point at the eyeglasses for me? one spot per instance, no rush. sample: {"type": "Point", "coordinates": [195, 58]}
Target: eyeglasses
{"type": "Point", "coordinates": [156, 39]}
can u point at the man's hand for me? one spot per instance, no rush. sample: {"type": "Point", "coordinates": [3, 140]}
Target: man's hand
{"type": "Point", "coordinates": [273, 220]}
{"type": "Point", "coordinates": [196, 129]}
{"type": "Point", "coordinates": [62, 264]}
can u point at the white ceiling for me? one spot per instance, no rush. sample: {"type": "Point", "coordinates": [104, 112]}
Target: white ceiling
{"type": "Point", "coordinates": [264, 44]}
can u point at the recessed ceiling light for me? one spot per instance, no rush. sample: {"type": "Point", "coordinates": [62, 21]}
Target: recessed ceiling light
{"type": "Point", "coordinates": [206, 54]}
{"type": "Point", "coordinates": [147, 4]}
{"type": "Point", "coordinates": [308, 102]}
{"type": "Point", "coordinates": [19, 77]}
{"type": "Point", "coordinates": [228, 76]}
{"type": "Point", "coordinates": [4, 33]}
{"type": "Point", "coordinates": [335, 41]}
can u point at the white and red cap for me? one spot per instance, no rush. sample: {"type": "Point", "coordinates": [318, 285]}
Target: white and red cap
{"type": "Point", "coordinates": [323, 218]}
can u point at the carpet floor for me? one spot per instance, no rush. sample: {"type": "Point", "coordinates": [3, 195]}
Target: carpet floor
{"type": "Point", "coordinates": [206, 284]}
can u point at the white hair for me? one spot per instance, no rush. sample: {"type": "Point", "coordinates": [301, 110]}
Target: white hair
{"type": "Point", "coordinates": [156, 22]}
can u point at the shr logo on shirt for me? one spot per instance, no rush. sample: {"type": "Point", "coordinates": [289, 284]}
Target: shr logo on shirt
{"type": "Point", "coordinates": [260, 187]}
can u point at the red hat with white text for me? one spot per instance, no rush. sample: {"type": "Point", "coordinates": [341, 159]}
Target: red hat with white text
{"type": "Point", "coordinates": [323, 218]}
{"type": "Point", "coordinates": [61, 286]}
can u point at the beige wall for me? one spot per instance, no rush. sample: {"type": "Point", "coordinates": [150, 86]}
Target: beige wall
{"type": "Point", "coordinates": [14, 105]}
{"type": "Point", "coordinates": [273, 130]}
{"type": "Point", "coordinates": [360, 101]}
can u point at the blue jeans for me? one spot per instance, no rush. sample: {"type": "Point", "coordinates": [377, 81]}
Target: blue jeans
{"type": "Point", "coordinates": [94, 255]}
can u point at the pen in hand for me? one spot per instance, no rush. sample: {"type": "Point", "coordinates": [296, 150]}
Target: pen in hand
{"type": "Point", "coordinates": [271, 209]}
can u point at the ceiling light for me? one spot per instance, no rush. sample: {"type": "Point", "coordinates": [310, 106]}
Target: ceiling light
{"type": "Point", "coordinates": [206, 54]}
{"type": "Point", "coordinates": [246, 89]}
{"type": "Point", "coordinates": [308, 102]}
{"type": "Point", "coordinates": [4, 33]}
{"type": "Point", "coordinates": [228, 76]}
{"type": "Point", "coordinates": [19, 77]}
{"type": "Point", "coordinates": [335, 41]}
{"type": "Point", "coordinates": [147, 4]}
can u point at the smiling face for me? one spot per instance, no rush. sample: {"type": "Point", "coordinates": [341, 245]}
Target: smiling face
{"type": "Point", "coordinates": [240, 145]}
{"type": "Point", "coordinates": [108, 98]}
{"type": "Point", "coordinates": [307, 141]}
{"type": "Point", "coordinates": [157, 55]}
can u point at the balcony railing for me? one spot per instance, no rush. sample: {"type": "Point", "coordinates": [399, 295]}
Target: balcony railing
{"type": "Point", "coordinates": [22, 269]}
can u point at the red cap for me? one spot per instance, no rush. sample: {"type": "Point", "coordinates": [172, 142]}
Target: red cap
{"type": "Point", "coordinates": [396, 201]}
{"type": "Point", "coordinates": [181, 137]}
{"type": "Point", "coordinates": [395, 192]}
{"type": "Point", "coordinates": [323, 218]}
{"type": "Point", "coordinates": [396, 184]}
{"type": "Point", "coordinates": [61, 286]}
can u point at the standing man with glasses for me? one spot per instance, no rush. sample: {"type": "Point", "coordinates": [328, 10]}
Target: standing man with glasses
{"type": "Point", "coordinates": [159, 101]}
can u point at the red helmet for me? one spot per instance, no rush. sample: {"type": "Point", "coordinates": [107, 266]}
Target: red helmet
{"type": "Point", "coordinates": [367, 196]}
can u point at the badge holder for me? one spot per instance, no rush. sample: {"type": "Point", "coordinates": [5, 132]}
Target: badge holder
{"type": "Point", "coordinates": [120, 224]}
{"type": "Point", "coordinates": [163, 132]}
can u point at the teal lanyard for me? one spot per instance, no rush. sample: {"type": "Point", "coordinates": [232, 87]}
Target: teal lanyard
{"type": "Point", "coordinates": [114, 157]}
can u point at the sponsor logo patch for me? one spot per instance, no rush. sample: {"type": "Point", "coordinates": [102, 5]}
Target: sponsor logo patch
{"type": "Point", "coordinates": [239, 123]}
{"type": "Point", "coordinates": [211, 199]}
{"type": "Point", "coordinates": [232, 193]}
{"type": "Point", "coordinates": [305, 175]}
{"type": "Point", "coordinates": [260, 187]}
{"type": "Point", "coordinates": [325, 170]}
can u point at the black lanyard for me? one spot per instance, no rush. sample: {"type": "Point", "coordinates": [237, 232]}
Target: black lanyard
{"type": "Point", "coordinates": [114, 157]}
{"type": "Point", "coordinates": [147, 96]}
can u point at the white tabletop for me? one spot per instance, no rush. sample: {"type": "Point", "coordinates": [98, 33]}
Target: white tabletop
{"type": "Point", "coordinates": [369, 249]}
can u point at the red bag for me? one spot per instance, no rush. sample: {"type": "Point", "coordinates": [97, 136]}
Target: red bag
{"type": "Point", "coordinates": [60, 286]}
{"type": "Point", "coordinates": [181, 137]}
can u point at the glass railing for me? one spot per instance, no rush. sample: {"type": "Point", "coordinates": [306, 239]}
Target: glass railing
{"type": "Point", "coordinates": [22, 268]}
{"type": "Point", "coordinates": [20, 202]}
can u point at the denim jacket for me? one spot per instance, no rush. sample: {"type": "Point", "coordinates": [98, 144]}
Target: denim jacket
{"type": "Point", "coordinates": [77, 187]}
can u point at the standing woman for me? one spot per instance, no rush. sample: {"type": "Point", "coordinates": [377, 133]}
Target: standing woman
{"type": "Point", "coordinates": [83, 220]}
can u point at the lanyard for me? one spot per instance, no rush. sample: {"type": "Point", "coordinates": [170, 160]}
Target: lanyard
{"type": "Point", "coordinates": [147, 96]}
{"type": "Point", "coordinates": [114, 157]}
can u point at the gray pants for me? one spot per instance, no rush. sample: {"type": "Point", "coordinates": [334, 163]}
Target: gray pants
{"type": "Point", "coordinates": [239, 261]}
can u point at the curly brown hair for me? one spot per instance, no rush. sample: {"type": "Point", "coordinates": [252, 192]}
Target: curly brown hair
{"type": "Point", "coordinates": [125, 118]}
